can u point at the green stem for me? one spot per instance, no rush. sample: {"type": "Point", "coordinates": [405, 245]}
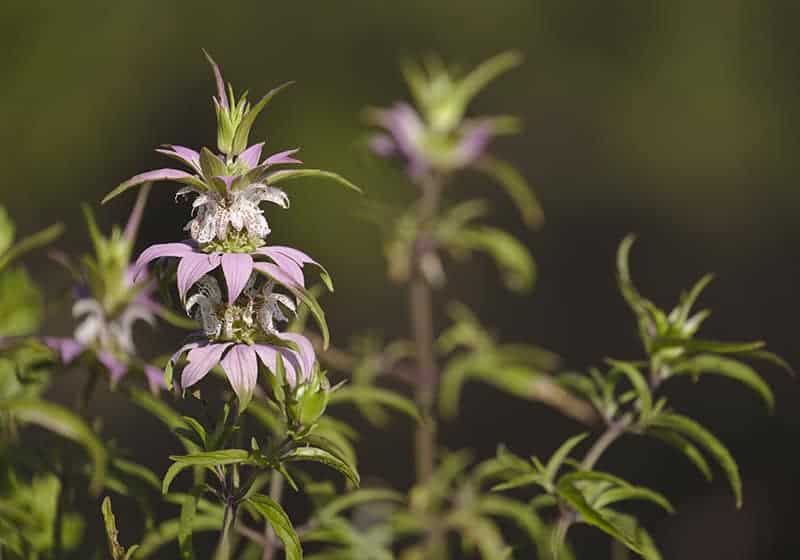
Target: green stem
{"type": "Point", "coordinates": [276, 485]}
{"type": "Point", "coordinates": [228, 526]}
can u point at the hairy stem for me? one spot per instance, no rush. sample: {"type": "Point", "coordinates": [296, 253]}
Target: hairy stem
{"type": "Point", "coordinates": [276, 485]}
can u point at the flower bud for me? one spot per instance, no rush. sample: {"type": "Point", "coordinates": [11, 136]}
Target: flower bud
{"type": "Point", "coordinates": [310, 400]}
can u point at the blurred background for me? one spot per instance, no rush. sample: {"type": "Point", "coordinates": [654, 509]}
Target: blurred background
{"type": "Point", "coordinates": [675, 120]}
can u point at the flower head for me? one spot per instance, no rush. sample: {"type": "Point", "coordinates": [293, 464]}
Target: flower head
{"type": "Point", "coordinates": [109, 300]}
{"type": "Point", "coordinates": [437, 137]}
{"type": "Point", "coordinates": [239, 335]}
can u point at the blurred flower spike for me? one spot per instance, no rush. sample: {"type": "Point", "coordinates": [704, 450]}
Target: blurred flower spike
{"type": "Point", "coordinates": [109, 301]}
{"type": "Point", "coordinates": [436, 137]}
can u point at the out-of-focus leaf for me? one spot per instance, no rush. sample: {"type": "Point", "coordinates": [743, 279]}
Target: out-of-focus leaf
{"type": "Point", "coordinates": [357, 498]}
{"type": "Point", "coordinates": [376, 395]}
{"type": "Point", "coordinates": [557, 459]}
{"type": "Point", "coordinates": [686, 447]}
{"type": "Point", "coordinates": [289, 174]}
{"type": "Point", "coordinates": [66, 424]}
{"type": "Point", "coordinates": [168, 532]}
{"type": "Point", "coordinates": [713, 346]}
{"type": "Point", "coordinates": [188, 512]}
{"type": "Point", "coordinates": [29, 243]}
{"type": "Point", "coordinates": [516, 186]}
{"type": "Point", "coordinates": [280, 522]}
{"type": "Point", "coordinates": [709, 364]}
{"type": "Point", "coordinates": [20, 303]}
{"type": "Point", "coordinates": [213, 458]}
{"type": "Point", "coordinates": [117, 550]}
{"type": "Point", "coordinates": [694, 431]}
{"type": "Point", "coordinates": [511, 256]}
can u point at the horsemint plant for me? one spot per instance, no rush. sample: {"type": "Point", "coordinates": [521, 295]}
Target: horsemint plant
{"type": "Point", "coordinates": [241, 291]}
{"type": "Point", "coordinates": [453, 495]}
{"type": "Point", "coordinates": [626, 394]}
{"type": "Point", "coordinates": [436, 143]}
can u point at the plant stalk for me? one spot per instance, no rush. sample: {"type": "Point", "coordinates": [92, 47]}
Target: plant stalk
{"type": "Point", "coordinates": [421, 311]}
{"type": "Point", "coordinates": [276, 486]}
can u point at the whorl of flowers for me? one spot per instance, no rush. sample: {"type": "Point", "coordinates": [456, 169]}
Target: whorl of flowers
{"type": "Point", "coordinates": [435, 137]}
{"type": "Point", "coordinates": [109, 300]}
{"type": "Point", "coordinates": [228, 236]}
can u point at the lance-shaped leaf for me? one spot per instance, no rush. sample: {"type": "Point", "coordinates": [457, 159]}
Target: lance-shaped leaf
{"type": "Point", "coordinates": [730, 368]}
{"type": "Point", "coordinates": [516, 186]}
{"type": "Point", "coordinates": [243, 130]}
{"type": "Point", "coordinates": [717, 347]}
{"type": "Point", "coordinates": [356, 498]}
{"type": "Point", "coordinates": [318, 455]}
{"type": "Point", "coordinates": [165, 174]}
{"type": "Point", "coordinates": [609, 489]}
{"type": "Point", "coordinates": [39, 239]}
{"type": "Point", "coordinates": [639, 383]}
{"type": "Point", "coordinates": [686, 447]}
{"type": "Point", "coordinates": [290, 174]}
{"type": "Point", "coordinates": [21, 303]}
{"type": "Point", "coordinates": [375, 395]}
{"type": "Point", "coordinates": [483, 74]}
{"type": "Point", "coordinates": [273, 513]}
{"type": "Point", "coordinates": [66, 424]}
{"type": "Point", "coordinates": [511, 256]}
{"type": "Point", "coordinates": [694, 431]}
{"type": "Point", "coordinates": [188, 512]}
{"type": "Point", "coordinates": [117, 551]}
{"type": "Point", "coordinates": [169, 530]}
{"type": "Point", "coordinates": [591, 516]}
{"type": "Point", "coordinates": [213, 458]}
{"type": "Point", "coordinates": [560, 455]}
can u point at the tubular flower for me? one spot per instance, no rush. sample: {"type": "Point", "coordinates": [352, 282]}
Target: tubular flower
{"type": "Point", "coordinates": [238, 336]}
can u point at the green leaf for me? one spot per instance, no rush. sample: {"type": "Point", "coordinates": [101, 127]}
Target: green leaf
{"type": "Point", "coordinates": [20, 303]}
{"type": "Point", "coordinates": [591, 516]}
{"type": "Point", "coordinates": [188, 512]}
{"type": "Point", "coordinates": [714, 346]}
{"type": "Point", "coordinates": [511, 256]}
{"type": "Point", "coordinates": [688, 300]}
{"type": "Point", "coordinates": [528, 479]}
{"type": "Point", "coordinates": [163, 412]}
{"type": "Point", "coordinates": [357, 498]}
{"type": "Point", "coordinates": [7, 230]}
{"type": "Point", "coordinates": [697, 433]}
{"type": "Point", "coordinates": [366, 395]}
{"type": "Point", "coordinates": [138, 472]}
{"type": "Point", "coordinates": [280, 522]}
{"type": "Point", "coordinates": [213, 458]}
{"type": "Point", "coordinates": [198, 429]}
{"type": "Point", "coordinates": [168, 532]}
{"type": "Point", "coordinates": [290, 174]}
{"type": "Point", "coordinates": [242, 134]}
{"type": "Point", "coordinates": [686, 447]}
{"type": "Point", "coordinates": [730, 368]}
{"type": "Point", "coordinates": [321, 456]}
{"type": "Point", "coordinates": [116, 549]}
{"type": "Point", "coordinates": [615, 495]}
{"type": "Point", "coordinates": [66, 424]}
{"type": "Point", "coordinates": [483, 74]}
{"type": "Point", "coordinates": [640, 385]}
{"type": "Point", "coordinates": [44, 237]}
{"type": "Point", "coordinates": [516, 186]}
{"type": "Point", "coordinates": [173, 471]}
{"type": "Point", "coordinates": [557, 459]}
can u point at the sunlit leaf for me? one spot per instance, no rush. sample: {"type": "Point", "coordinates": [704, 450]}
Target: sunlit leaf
{"type": "Point", "coordinates": [730, 368]}
{"type": "Point", "coordinates": [327, 458]}
{"type": "Point", "coordinates": [280, 522]}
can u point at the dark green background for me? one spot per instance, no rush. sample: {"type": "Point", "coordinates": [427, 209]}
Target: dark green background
{"type": "Point", "coordinates": [676, 120]}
